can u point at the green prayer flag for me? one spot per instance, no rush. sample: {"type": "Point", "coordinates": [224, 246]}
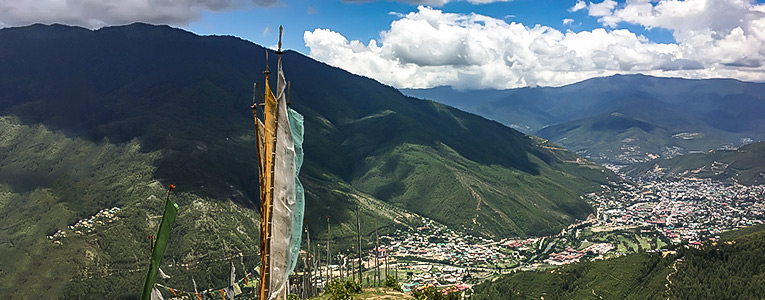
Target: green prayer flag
{"type": "Point", "coordinates": [297, 130]}
{"type": "Point", "coordinates": [163, 235]}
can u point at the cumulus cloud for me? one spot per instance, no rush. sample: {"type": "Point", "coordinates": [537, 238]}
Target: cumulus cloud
{"type": "Point", "coordinates": [601, 9]}
{"type": "Point", "coordinates": [437, 3]}
{"type": "Point", "coordinates": [429, 48]}
{"type": "Point", "coordinates": [729, 32]}
{"type": "Point", "coordinates": [99, 13]}
{"type": "Point", "coordinates": [568, 21]}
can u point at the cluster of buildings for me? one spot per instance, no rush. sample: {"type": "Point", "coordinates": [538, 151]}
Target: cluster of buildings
{"type": "Point", "coordinates": [435, 242]}
{"type": "Point", "coordinates": [684, 210]}
{"type": "Point", "coordinates": [104, 216]}
{"type": "Point", "coordinates": [57, 237]}
{"type": "Point", "coordinates": [571, 255]}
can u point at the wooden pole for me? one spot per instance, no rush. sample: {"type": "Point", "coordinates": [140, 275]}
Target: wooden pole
{"type": "Point", "coordinates": [358, 238]}
{"type": "Point", "coordinates": [318, 270]}
{"type": "Point", "coordinates": [386, 264]}
{"type": "Point", "coordinates": [353, 264]}
{"type": "Point", "coordinates": [396, 269]}
{"type": "Point", "coordinates": [310, 262]}
{"type": "Point", "coordinates": [265, 282]}
{"type": "Point", "coordinates": [377, 255]}
{"type": "Point", "coordinates": [329, 258]}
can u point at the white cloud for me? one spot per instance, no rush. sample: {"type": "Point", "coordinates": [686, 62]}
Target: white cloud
{"type": "Point", "coordinates": [578, 6]}
{"type": "Point", "coordinates": [601, 9]}
{"type": "Point", "coordinates": [729, 32]}
{"type": "Point", "coordinates": [430, 48]}
{"type": "Point", "coordinates": [396, 14]}
{"type": "Point", "coordinates": [98, 13]}
{"type": "Point", "coordinates": [568, 21]}
{"type": "Point", "coordinates": [437, 3]}
{"type": "Point", "coordinates": [416, 2]}
{"type": "Point", "coordinates": [486, 1]}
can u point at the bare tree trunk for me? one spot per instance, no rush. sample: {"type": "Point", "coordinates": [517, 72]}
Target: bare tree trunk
{"type": "Point", "coordinates": [329, 258]}
{"type": "Point", "coordinates": [377, 255]}
{"type": "Point", "coordinates": [358, 237]}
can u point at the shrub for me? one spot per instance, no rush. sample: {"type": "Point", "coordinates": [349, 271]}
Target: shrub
{"type": "Point", "coordinates": [339, 290]}
{"type": "Point", "coordinates": [391, 282]}
{"type": "Point", "coordinates": [432, 293]}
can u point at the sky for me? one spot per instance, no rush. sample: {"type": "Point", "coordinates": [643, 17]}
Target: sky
{"type": "Point", "coordinates": [467, 44]}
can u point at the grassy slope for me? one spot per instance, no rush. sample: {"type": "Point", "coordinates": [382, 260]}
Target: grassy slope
{"type": "Point", "coordinates": [438, 182]}
{"type": "Point", "coordinates": [637, 276]}
{"type": "Point", "coordinates": [607, 135]}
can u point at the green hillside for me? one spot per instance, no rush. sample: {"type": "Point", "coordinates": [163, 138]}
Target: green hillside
{"type": "Point", "coordinates": [98, 119]}
{"type": "Point", "coordinates": [731, 269]}
{"type": "Point", "coordinates": [745, 165]}
{"type": "Point", "coordinates": [622, 139]}
{"type": "Point", "coordinates": [50, 181]}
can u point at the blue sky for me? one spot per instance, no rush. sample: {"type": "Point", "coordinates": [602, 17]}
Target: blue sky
{"type": "Point", "coordinates": [364, 20]}
{"type": "Point", "coordinates": [467, 44]}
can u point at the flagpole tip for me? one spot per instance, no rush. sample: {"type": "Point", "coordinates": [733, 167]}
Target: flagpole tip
{"type": "Point", "coordinates": [279, 50]}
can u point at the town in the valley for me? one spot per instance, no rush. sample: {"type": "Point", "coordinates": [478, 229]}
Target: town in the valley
{"type": "Point", "coordinates": [629, 217]}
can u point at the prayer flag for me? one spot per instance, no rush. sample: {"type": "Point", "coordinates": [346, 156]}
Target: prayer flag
{"type": "Point", "coordinates": [163, 235]}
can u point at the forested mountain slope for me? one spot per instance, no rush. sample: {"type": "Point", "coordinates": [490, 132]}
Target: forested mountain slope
{"type": "Point", "coordinates": [97, 119]}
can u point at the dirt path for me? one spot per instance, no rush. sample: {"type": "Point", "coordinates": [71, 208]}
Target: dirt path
{"type": "Point", "coordinates": [554, 148]}
{"type": "Point", "coordinates": [379, 294]}
{"type": "Point", "coordinates": [666, 285]}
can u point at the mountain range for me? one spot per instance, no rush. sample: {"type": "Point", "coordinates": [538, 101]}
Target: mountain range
{"type": "Point", "coordinates": [95, 124]}
{"type": "Point", "coordinates": [624, 118]}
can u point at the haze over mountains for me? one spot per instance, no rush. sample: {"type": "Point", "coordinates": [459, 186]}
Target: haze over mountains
{"type": "Point", "coordinates": [97, 119]}
{"type": "Point", "coordinates": [624, 118]}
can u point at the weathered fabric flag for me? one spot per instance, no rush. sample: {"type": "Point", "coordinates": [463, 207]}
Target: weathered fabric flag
{"type": "Point", "coordinates": [283, 205]}
{"type": "Point", "coordinates": [296, 127]}
{"type": "Point", "coordinates": [232, 282]}
{"type": "Point", "coordinates": [265, 156]}
{"type": "Point", "coordinates": [163, 235]}
{"type": "Point", "coordinates": [155, 294]}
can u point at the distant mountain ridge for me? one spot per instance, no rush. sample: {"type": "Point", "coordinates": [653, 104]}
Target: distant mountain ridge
{"type": "Point", "coordinates": [706, 113]}
{"type": "Point", "coordinates": [100, 118]}
{"type": "Point", "coordinates": [745, 165]}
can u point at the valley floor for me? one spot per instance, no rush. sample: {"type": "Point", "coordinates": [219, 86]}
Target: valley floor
{"type": "Point", "coordinates": [631, 218]}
